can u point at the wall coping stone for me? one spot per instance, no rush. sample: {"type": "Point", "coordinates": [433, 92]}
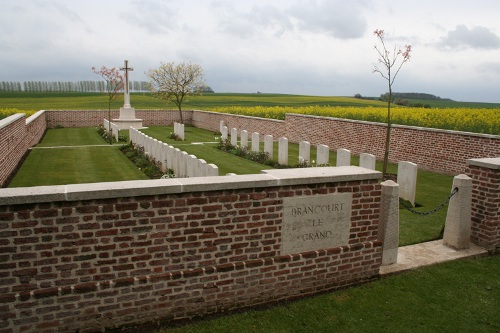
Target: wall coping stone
{"type": "Point", "coordinates": [34, 116]}
{"type": "Point", "coordinates": [134, 188]}
{"type": "Point", "coordinates": [10, 119]}
{"type": "Point", "coordinates": [490, 163]}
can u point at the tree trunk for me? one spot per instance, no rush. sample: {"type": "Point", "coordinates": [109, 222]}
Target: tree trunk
{"type": "Point", "coordinates": [180, 115]}
{"type": "Point", "coordinates": [388, 133]}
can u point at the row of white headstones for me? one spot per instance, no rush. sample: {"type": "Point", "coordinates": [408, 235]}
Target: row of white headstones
{"type": "Point", "coordinates": [186, 165]}
{"type": "Point", "coordinates": [407, 171]}
{"type": "Point", "coordinates": [171, 158]}
{"type": "Point", "coordinates": [111, 128]}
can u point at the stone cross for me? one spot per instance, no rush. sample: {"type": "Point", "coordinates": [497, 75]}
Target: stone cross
{"type": "Point", "coordinates": [126, 103]}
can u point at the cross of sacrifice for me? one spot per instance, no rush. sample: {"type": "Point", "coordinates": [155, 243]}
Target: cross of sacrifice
{"type": "Point", "coordinates": [126, 99]}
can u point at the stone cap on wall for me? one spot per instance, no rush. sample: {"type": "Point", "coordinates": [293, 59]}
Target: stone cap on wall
{"type": "Point", "coordinates": [134, 188]}
{"type": "Point", "coordinates": [490, 163]}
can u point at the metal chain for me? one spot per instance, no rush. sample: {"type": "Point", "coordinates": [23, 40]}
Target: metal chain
{"type": "Point", "coordinates": [410, 208]}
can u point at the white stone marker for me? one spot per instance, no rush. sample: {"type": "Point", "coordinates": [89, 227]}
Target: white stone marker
{"type": "Point", "coordinates": [389, 222]}
{"type": "Point", "coordinates": [322, 155]}
{"type": "Point", "coordinates": [268, 145]}
{"type": "Point", "coordinates": [283, 151]}
{"type": "Point", "coordinates": [367, 161]}
{"type": "Point", "coordinates": [407, 180]}
{"type": "Point", "coordinates": [192, 164]}
{"type": "Point", "coordinates": [457, 228]}
{"type": "Point", "coordinates": [183, 164]}
{"type": "Point", "coordinates": [170, 157]}
{"type": "Point", "coordinates": [244, 139]}
{"type": "Point", "coordinates": [213, 170]}
{"type": "Point", "coordinates": [343, 157]}
{"type": "Point", "coordinates": [201, 170]}
{"type": "Point", "coordinates": [177, 162]}
{"type": "Point", "coordinates": [224, 133]}
{"type": "Point", "coordinates": [179, 130]}
{"type": "Point", "coordinates": [164, 156]}
{"type": "Point", "coordinates": [221, 125]}
{"type": "Point", "coordinates": [304, 152]}
{"type": "Point", "coordinates": [255, 142]}
{"type": "Point", "coordinates": [234, 136]}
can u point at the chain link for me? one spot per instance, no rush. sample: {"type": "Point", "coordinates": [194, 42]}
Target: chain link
{"type": "Point", "coordinates": [410, 208]}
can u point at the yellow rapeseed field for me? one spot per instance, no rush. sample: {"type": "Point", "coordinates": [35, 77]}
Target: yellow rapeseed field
{"type": "Point", "coordinates": [4, 113]}
{"type": "Point", "coordinates": [459, 119]}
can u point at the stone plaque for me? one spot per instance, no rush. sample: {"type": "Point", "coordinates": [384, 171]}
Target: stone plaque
{"type": "Point", "coordinates": [316, 222]}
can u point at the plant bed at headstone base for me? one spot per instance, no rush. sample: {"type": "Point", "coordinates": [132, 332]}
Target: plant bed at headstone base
{"type": "Point", "coordinates": [148, 166]}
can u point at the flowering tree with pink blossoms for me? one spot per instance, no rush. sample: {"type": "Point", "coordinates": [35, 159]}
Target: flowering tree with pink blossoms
{"type": "Point", "coordinates": [114, 84]}
{"type": "Point", "coordinates": [389, 64]}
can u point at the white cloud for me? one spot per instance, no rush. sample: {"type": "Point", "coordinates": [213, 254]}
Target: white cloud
{"type": "Point", "coordinates": [338, 18]}
{"type": "Point", "coordinates": [476, 37]}
{"type": "Point", "coordinates": [317, 47]}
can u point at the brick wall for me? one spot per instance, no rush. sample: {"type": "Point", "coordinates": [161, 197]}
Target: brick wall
{"type": "Point", "coordinates": [93, 256]}
{"type": "Point", "coordinates": [434, 150]}
{"type": "Point", "coordinates": [13, 144]}
{"type": "Point", "coordinates": [211, 121]}
{"type": "Point", "coordinates": [485, 174]}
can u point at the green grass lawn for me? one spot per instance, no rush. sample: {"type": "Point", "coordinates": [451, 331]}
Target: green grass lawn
{"type": "Point", "coordinates": [432, 188]}
{"type": "Point", "coordinates": [77, 164]}
{"type": "Point", "coordinates": [458, 296]}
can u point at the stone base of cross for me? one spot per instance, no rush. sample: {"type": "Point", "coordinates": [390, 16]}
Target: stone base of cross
{"type": "Point", "coordinates": [127, 113]}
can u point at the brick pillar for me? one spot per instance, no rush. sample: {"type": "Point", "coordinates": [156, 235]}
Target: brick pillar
{"type": "Point", "coordinates": [485, 174]}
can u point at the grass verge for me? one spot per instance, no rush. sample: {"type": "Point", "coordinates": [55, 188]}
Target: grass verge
{"type": "Point", "coordinates": [458, 296]}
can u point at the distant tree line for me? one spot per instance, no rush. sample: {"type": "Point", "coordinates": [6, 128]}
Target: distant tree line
{"type": "Point", "coordinates": [66, 86]}
{"type": "Point", "coordinates": [396, 96]}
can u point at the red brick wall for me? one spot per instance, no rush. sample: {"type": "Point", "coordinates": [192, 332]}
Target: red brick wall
{"type": "Point", "coordinates": [211, 121]}
{"type": "Point", "coordinates": [435, 150]}
{"type": "Point", "coordinates": [13, 145]}
{"type": "Point", "coordinates": [485, 206]}
{"type": "Point", "coordinates": [35, 128]}
{"type": "Point", "coordinates": [86, 265]}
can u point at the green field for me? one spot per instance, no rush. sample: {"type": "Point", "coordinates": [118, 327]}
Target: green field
{"type": "Point", "coordinates": [96, 101]}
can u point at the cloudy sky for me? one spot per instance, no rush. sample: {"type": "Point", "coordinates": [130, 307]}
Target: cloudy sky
{"type": "Point", "coordinates": [311, 47]}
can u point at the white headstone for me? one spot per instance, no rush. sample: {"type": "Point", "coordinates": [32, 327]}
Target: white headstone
{"type": "Point", "coordinates": [244, 139]}
{"type": "Point", "coordinates": [304, 153]}
{"type": "Point", "coordinates": [224, 133]}
{"type": "Point", "coordinates": [268, 145]}
{"type": "Point", "coordinates": [234, 136]}
{"type": "Point", "coordinates": [367, 161]}
{"type": "Point", "coordinates": [192, 164]}
{"type": "Point", "coordinates": [221, 125]}
{"type": "Point", "coordinates": [343, 157]}
{"type": "Point", "coordinates": [213, 170]}
{"type": "Point", "coordinates": [407, 180]}
{"type": "Point", "coordinates": [283, 151]}
{"type": "Point", "coordinates": [170, 157]}
{"type": "Point", "coordinates": [183, 164]}
{"type": "Point", "coordinates": [322, 155]}
{"type": "Point", "coordinates": [201, 172]}
{"type": "Point", "coordinates": [255, 142]}
{"type": "Point", "coordinates": [177, 162]}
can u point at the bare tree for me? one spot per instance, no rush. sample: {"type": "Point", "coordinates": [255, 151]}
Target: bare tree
{"type": "Point", "coordinates": [114, 83]}
{"type": "Point", "coordinates": [172, 83]}
{"type": "Point", "coordinates": [390, 64]}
